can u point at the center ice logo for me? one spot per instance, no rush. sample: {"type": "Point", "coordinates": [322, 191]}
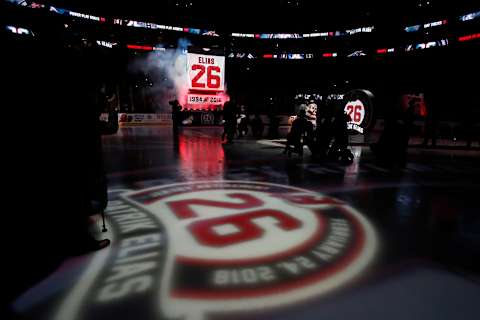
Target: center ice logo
{"type": "Point", "coordinates": [227, 246]}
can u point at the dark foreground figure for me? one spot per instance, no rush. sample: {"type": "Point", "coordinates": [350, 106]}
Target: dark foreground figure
{"type": "Point", "coordinates": [300, 134]}
{"type": "Point", "coordinates": [55, 157]}
{"type": "Point", "coordinates": [230, 121]}
{"type": "Point", "coordinates": [391, 148]}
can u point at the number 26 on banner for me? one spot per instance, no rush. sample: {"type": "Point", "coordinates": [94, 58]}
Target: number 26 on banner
{"type": "Point", "coordinates": [213, 77]}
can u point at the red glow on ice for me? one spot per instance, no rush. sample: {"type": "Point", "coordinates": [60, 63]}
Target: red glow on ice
{"type": "Point", "coordinates": [268, 56]}
{"type": "Point", "coordinates": [201, 157]}
{"type": "Point", "coordinates": [382, 51]}
{"type": "Point", "coordinates": [328, 55]}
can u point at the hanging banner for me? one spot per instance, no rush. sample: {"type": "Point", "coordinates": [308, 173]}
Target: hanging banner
{"type": "Point", "coordinates": [206, 72]}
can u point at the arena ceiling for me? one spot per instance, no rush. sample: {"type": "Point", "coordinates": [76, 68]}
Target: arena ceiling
{"type": "Point", "coordinates": [270, 15]}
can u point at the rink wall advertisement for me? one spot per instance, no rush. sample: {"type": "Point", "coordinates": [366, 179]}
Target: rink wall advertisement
{"type": "Point", "coordinates": [189, 118]}
{"type": "Point", "coordinates": [142, 118]}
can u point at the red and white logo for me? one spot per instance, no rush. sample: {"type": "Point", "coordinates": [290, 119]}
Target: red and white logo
{"type": "Point", "coordinates": [194, 250]}
{"type": "Point", "coordinates": [236, 246]}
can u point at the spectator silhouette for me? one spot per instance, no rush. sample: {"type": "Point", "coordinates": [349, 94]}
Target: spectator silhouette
{"type": "Point", "coordinates": [431, 101]}
{"type": "Point", "coordinates": [230, 120]}
{"type": "Point", "coordinates": [300, 134]}
{"type": "Point", "coordinates": [176, 115]}
{"type": "Point", "coordinates": [391, 149]}
{"type": "Point", "coordinates": [257, 126]}
{"type": "Point", "coordinates": [273, 126]}
{"type": "Point", "coordinates": [49, 89]}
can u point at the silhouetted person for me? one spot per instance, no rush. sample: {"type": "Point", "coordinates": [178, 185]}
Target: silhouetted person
{"type": "Point", "coordinates": [469, 126]}
{"type": "Point", "coordinates": [230, 120]}
{"type": "Point", "coordinates": [300, 133]}
{"type": "Point", "coordinates": [391, 148]}
{"type": "Point", "coordinates": [257, 126]}
{"type": "Point", "coordinates": [33, 161]}
{"type": "Point", "coordinates": [98, 180]}
{"type": "Point", "coordinates": [430, 121]}
{"type": "Point", "coordinates": [340, 131]}
{"type": "Point", "coordinates": [312, 109]}
{"type": "Point", "coordinates": [45, 86]}
{"type": "Point", "coordinates": [87, 77]}
{"type": "Point", "coordinates": [243, 120]}
{"type": "Point", "coordinates": [176, 115]}
{"type": "Point", "coordinates": [273, 126]}
{"type": "Point", "coordinates": [407, 121]}
{"type": "Point", "coordinates": [324, 132]}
